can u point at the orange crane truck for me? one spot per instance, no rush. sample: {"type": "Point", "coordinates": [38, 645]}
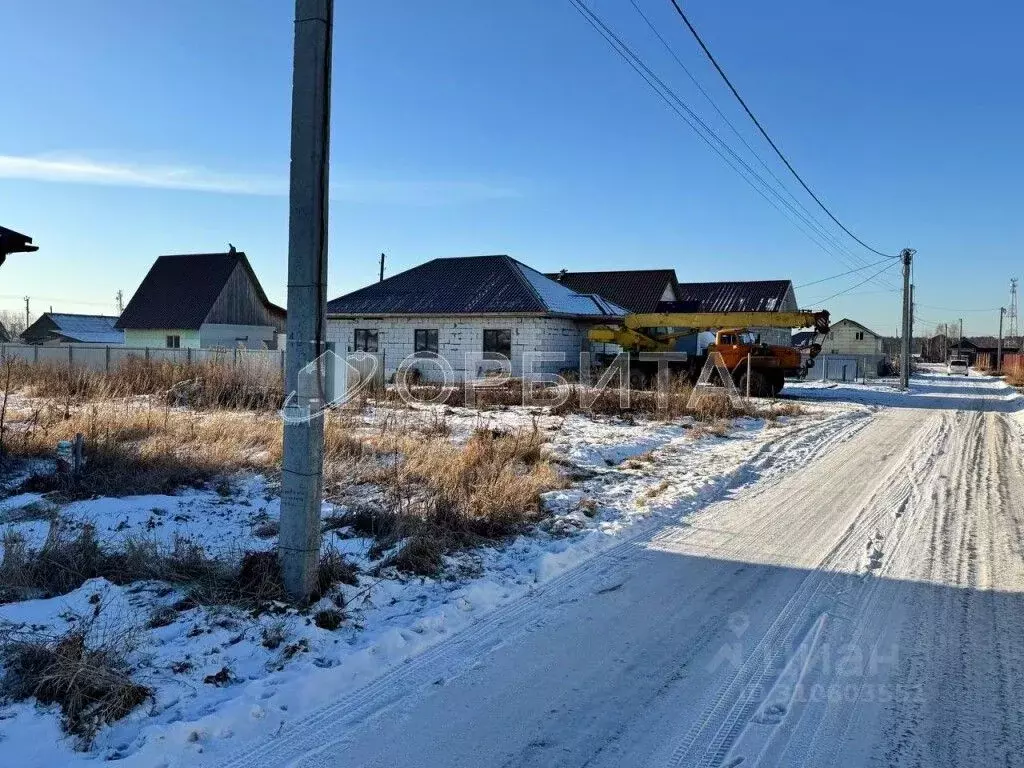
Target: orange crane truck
{"type": "Point", "coordinates": [769, 365]}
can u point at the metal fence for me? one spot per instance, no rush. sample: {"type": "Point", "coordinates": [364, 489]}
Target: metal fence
{"type": "Point", "coordinates": [106, 359]}
{"type": "Point", "coordinates": [255, 364]}
{"type": "Point", "coordinates": [846, 367]}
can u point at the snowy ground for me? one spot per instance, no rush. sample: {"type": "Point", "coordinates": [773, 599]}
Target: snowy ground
{"type": "Point", "coordinates": [631, 479]}
{"type": "Point", "coordinates": [852, 596]}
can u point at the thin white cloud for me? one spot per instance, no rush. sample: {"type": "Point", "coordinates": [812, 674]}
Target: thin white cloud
{"type": "Point", "coordinates": [80, 170]}
{"type": "Point", "coordinates": [70, 169]}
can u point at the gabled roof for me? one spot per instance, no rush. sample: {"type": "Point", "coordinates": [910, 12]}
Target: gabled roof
{"type": "Point", "coordinates": [749, 296]}
{"type": "Point", "coordinates": [638, 290]}
{"type": "Point", "coordinates": [859, 325]}
{"type": "Point", "coordinates": [179, 291]}
{"type": "Point", "coordinates": [472, 285]}
{"type": "Point", "coordinates": [85, 329]}
{"type": "Point", "coordinates": [803, 338]}
{"type": "Point", "coordinates": [986, 343]}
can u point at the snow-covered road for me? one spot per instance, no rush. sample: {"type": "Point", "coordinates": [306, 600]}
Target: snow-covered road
{"type": "Point", "coordinates": [864, 609]}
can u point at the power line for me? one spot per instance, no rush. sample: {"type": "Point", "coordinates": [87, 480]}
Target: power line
{"type": "Point", "coordinates": [843, 274]}
{"type": "Point", "coordinates": [954, 309]}
{"type": "Point", "coordinates": [677, 105]}
{"type": "Point", "coordinates": [858, 285]}
{"type": "Point", "coordinates": [693, 78]}
{"type": "Point", "coordinates": [764, 133]}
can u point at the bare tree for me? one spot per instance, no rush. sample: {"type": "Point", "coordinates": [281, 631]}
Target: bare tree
{"type": "Point", "coordinates": [13, 322]}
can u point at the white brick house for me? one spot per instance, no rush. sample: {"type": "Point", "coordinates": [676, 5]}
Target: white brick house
{"type": "Point", "coordinates": [465, 313]}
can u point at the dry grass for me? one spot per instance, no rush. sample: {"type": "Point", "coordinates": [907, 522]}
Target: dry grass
{"type": "Point", "coordinates": [83, 671]}
{"type": "Point", "coordinates": [442, 496]}
{"type": "Point", "coordinates": [489, 486]}
{"type": "Point", "coordinates": [1015, 378]}
{"type": "Point", "coordinates": [67, 560]}
{"type": "Point", "coordinates": [199, 385]}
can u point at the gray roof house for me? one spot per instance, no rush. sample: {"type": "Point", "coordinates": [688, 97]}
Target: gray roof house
{"type": "Point", "coordinates": [465, 315]}
{"type": "Point", "coordinates": [202, 300]}
{"type": "Point", "coordinates": [62, 328]}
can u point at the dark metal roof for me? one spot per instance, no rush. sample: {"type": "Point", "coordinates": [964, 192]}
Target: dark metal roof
{"type": "Point", "coordinates": [179, 291]}
{"type": "Point", "coordinates": [638, 290]}
{"type": "Point", "coordinates": [471, 285]}
{"type": "Point", "coordinates": [986, 343]}
{"type": "Point", "coordinates": [748, 296]}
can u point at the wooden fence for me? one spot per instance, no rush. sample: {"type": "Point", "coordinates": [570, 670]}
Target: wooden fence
{"type": "Point", "coordinates": [1013, 364]}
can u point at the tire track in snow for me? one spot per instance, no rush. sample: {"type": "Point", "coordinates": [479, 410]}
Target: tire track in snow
{"type": "Point", "coordinates": [710, 739]}
{"type": "Point", "coordinates": [318, 732]}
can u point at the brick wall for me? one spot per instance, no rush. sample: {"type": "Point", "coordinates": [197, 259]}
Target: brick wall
{"type": "Point", "coordinates": [460, 334]}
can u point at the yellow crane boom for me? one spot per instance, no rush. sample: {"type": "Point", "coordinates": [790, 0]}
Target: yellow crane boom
{"type": "Point", "coordinates": [659, 330]}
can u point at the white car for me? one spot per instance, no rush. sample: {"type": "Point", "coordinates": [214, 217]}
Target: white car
{"type": "Point", "coordinates": [956, 368]}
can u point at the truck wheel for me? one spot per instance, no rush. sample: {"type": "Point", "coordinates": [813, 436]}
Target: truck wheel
{"type": "Point", "coordinates": [758, 384]}
{"type": "Point", "coordinates": [775, 383]}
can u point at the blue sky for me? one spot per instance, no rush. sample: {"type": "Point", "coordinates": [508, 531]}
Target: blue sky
{"type": "Point", "coordinates": [463, 127]}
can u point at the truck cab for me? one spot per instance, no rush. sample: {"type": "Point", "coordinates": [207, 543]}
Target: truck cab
{"type": "Point", "coordinates": [769, 365]}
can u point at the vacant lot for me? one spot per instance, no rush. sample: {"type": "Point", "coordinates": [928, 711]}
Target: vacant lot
{"type": "Point", "coordinates": [150, 577]}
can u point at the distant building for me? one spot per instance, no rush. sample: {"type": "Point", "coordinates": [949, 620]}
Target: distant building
{"type": "Point", "coordinates": [53, 328]}
{"type": "Point", "coordinates": [804, 339]}
{"type": "Point", "coordinates": [848, 337]}
{"type": "Point", "coordinates": [202, 300]}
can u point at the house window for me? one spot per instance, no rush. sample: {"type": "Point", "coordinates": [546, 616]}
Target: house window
{"type": "Point", "coordinates": [366, 340]}
{"type": "Point", "coordinates": [860, 335]}
{"type": "Point", "coordinates": [497, 343]}
{"type": "Point", "coordinates": [174, 342]}
{"type": "Point", "coordinates": [425, 341]}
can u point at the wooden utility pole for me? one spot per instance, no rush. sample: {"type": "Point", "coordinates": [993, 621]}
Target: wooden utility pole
{"type": "Point", "coordinates": [302, 464]}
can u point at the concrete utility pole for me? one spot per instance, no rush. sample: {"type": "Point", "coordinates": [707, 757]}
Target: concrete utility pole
{"type": "Point", "coordinates": [960, 337]}
{"type": "Point", "coordinates": [911, 320]}
{"type": "Point", "coordinates": [907, 256]}
{"type": "Point", "coordinates": [28, 320]}
{"type": "Point", "coordinates": [302, 465]}
{"type": "Point", "coordinates": [999, 346]}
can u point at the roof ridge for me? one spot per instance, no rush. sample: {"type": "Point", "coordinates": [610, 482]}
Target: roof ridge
{"type": "Point", "coordinates": [516, 264]}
